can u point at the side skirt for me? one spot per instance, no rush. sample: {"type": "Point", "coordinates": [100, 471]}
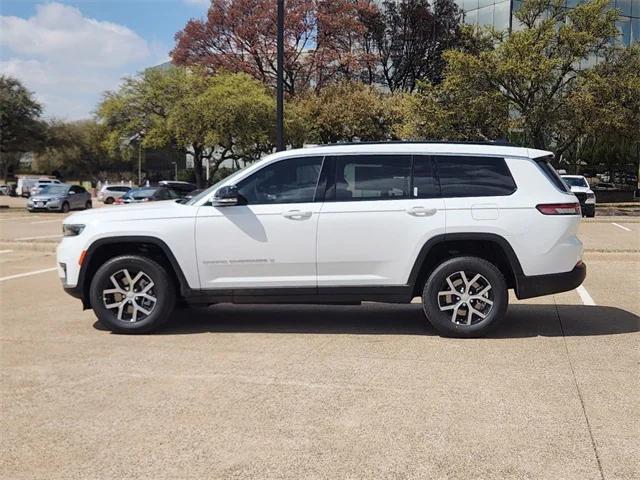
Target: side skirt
{"type": "Point", "coordinates": [303, 295]}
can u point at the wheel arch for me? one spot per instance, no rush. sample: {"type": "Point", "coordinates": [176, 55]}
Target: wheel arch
{"type": "Point", "coordinates": [106, 248]}
{"type": "Point", "coordinates": [491, 247]}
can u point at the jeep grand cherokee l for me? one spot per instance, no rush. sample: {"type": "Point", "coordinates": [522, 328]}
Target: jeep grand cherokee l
{"type": "Point", "coordinates": [457, 224]}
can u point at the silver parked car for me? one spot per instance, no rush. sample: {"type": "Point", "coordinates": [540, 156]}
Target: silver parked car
{"type": "Point", "coordinates": [61, 198]}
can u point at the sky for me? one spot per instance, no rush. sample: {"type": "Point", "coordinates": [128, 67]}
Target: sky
{"type": "Point", "coordinates": [68, 52]}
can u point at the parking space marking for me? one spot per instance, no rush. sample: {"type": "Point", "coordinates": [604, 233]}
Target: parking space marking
{"type": "Point", "coordinates": [584, 296]}
{"type": "Point", "coordinates": [46, 221]}
{"type": "Point", "coordinates": [6, 251]}
{"type": "Point", "coordinates": [38, 238]}
{"type": "Point", "coordinates": [620, 226]}
{"type": "Point", "coordinates": [28, 274]}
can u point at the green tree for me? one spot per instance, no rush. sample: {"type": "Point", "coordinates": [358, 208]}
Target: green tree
{"type": "Point", "coordinates": [77, 148]}
{"type": "Point", "coordinates": [211, 118]}
{"type": "Point", "coordinates": [346, 111]}
{"type": "Point", "coordinates": [532, 72]}
{"type": "Point", "coordinates": [21, 129]}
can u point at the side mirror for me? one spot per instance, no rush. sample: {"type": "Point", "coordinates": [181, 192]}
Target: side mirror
{"type": "Point", "coordinates": [226, 196]}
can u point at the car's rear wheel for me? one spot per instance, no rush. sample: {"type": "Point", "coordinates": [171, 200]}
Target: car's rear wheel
{"type": "Point", "coordinates": [65, 207]}
{"type": "Point", "coordinates": [465, 297]}
{"type": "Point", "coordinates": [88, 205]}
{"type": "Point", "coordinates": [132, 294]}
{"type": "Point", "coordinates": [109, 201]}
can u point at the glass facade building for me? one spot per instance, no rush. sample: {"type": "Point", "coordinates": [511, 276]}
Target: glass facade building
{"type": "Point", "coordinates": [500, 14]}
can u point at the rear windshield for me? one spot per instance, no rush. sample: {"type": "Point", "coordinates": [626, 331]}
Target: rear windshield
{"type": "Point", "coordinates": [575, 181]}
{"type": "Point", "coordinates": [141, 193]}
{"type": "Point", "coordinates": [551, 174]}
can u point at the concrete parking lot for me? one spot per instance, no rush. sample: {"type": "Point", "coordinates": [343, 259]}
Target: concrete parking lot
{"type": "Point", "coordinates": [320, 392]}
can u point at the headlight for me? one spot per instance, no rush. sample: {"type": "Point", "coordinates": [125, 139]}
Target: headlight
{"type": "Point", "coordinates": [70, 230]}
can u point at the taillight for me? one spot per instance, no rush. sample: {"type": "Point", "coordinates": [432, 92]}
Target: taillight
{"type": "Point", "coordinates": [559, 208]}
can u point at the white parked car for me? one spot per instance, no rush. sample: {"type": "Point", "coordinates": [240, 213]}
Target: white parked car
{"type": "Point", "coordinates": [457, 224]}
{"type": "Point", "coordinates": [580, 188]}
{"type": "Point", "coordinates": [110, 193]}
{"type": "Point", "coordinates": [41, 184]}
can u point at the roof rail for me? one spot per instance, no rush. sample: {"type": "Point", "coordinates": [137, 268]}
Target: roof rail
{"type": "Point", "coordinates": [502, 143]}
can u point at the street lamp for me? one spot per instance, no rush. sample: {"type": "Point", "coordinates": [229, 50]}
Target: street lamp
{"type": "Point", "coordinates": [280, 79]}
{"type": "Point", "coordinates": [175, 165]}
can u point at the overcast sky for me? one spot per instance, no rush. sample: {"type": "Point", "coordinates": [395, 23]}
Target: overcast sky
{"type": "Point", "coordinates": [69, 52]}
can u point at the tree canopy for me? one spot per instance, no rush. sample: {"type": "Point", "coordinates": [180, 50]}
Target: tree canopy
{"type": "Point", "coordinates": [227, 115]}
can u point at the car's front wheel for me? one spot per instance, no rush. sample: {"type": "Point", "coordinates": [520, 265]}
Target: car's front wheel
{"type": "Point", "coordinates": [132, 294]}
{"type": "Point", "coordinates": [465, 297]}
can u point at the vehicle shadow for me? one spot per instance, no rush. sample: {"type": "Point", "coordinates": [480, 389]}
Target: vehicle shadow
{"type": "Point", "coordinates": [523, 320]}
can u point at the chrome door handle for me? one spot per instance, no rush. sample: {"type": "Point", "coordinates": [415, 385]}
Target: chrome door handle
{"type": "Point", "coordinates": [296, 214]}
{"type": "Point", "coordinates": [422, 211]}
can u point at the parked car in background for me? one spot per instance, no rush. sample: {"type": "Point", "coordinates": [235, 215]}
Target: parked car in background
{"type": "Point", "coordinates": [61, 198]}
{"type": "Point", "coordinates": [147, 194]}
{"type": "Point", "coordinates": [26, 182]}
{"type": "Point", "coordinates": [110, 193]}
{"type": "Point", "coordinates": [580, 188]}
{"type": "Point", "coordinates": [190, 195]}
{"type": "Point", "coordinates": [6, 189]}
{"type": "Point", "coordinates": [182, 189]}
{"type": "Point", "coordinates": [604, 186]}
{"type": "Point", "coordinates": [41, 184]}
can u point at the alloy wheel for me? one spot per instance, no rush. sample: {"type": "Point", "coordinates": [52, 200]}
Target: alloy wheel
{"type": "Point", "coordinates": [468, 301]}
{"type": "Point", "coordinates": [131, 299]}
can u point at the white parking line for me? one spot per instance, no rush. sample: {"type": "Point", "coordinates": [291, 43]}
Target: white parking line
{"type": "Point", "coordinates": [6, 251]}
{"type": "Point", "coordinates": [620, 226]}
{"type": "Point", "coordinates": [584, 296]}
{"type": "Point", "coordinates": [27, 274]}
{"type": "Point", "coordinates": [47, 221]}
{"type": "Point", "coordinates": [38, 238]}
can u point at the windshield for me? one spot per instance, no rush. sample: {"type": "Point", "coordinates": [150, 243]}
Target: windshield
{"type": "Point", "coordinates": [575, 181]}
{"type": "Point", "coordinates": [140, 193]}
{"type": "Point", "coordinates": [212, 188]}
{"type": "Point", "coordinates": [55, 190]}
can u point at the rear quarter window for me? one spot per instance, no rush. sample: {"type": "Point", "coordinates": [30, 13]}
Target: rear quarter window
{"type": "Point", "coordinates": [462, 176]}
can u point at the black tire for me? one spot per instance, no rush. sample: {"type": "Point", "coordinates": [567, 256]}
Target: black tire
{"type": "Point", "coordinates": [443, 321]}
{"type": "Point", "coordinates": [88, 205]}
{"type": "Point", "coordinates": [109, 201]}
{"type": "Point", "coordinates": [65, 207]}
{"type": "Point", "coordinates": [163, 290]}
{"type": "Point", "coordinates": [591, 215]}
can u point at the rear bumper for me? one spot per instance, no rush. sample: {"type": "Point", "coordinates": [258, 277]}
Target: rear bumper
{"type": "Point", "coordinates": [539, 285]}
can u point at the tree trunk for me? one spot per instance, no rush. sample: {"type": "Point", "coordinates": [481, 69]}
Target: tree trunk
{"type": "Point", "coordinates": [197, 166]}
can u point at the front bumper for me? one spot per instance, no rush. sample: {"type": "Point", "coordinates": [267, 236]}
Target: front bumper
{"type": "Point", "coordinates": [539, 285]}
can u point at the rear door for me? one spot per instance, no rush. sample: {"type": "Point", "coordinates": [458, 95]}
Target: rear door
{"type": "Point", "coordinates": [376, 218]}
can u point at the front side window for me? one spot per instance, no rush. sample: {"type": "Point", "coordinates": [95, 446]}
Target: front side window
{"type": "Point", "coordinates": [293, 180]}
{"type": "Point", "coordinates": [372, 177]}
{"type": "Point", "coordinates": [474, 177]}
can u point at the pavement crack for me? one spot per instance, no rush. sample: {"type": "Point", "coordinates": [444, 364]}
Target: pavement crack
{"type": "Point", "coordinates": [575, 381]}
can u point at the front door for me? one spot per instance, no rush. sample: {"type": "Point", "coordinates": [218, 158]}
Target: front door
{"type": "Point", "coordinates": [269, 240]}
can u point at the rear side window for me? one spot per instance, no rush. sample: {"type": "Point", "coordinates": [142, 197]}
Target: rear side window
{"type": "Point", "coordinates": [425, 184]}
{"type": "Point", "coordinates": [551, 174]}
{"type": "Point", "coordinates": [372, 177]}
{"type": "Point", "coordinates": [474, 177]}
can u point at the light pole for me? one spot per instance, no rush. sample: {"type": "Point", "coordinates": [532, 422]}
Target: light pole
{"type": "Point", "coordinates": [280, 79]}
{"type": "Point", "coordinates": [139, 162]}
{"type": "Point", "coordinates": [175, 175]}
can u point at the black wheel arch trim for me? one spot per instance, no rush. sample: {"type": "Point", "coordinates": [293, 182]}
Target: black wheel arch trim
{"type": "Point", "coordinates": [82, 287]}
{"type": "Point", "coordinates": [503, 243]}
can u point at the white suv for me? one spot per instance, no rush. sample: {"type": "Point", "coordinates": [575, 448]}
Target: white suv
{"type": "Point", "coordinates": [458, 224]}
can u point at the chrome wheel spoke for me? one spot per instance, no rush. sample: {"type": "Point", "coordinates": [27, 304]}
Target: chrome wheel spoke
{"type": "Point", "coordinates": [123, 298]}
{"type": "Point", "coordinates": [469, 301]}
